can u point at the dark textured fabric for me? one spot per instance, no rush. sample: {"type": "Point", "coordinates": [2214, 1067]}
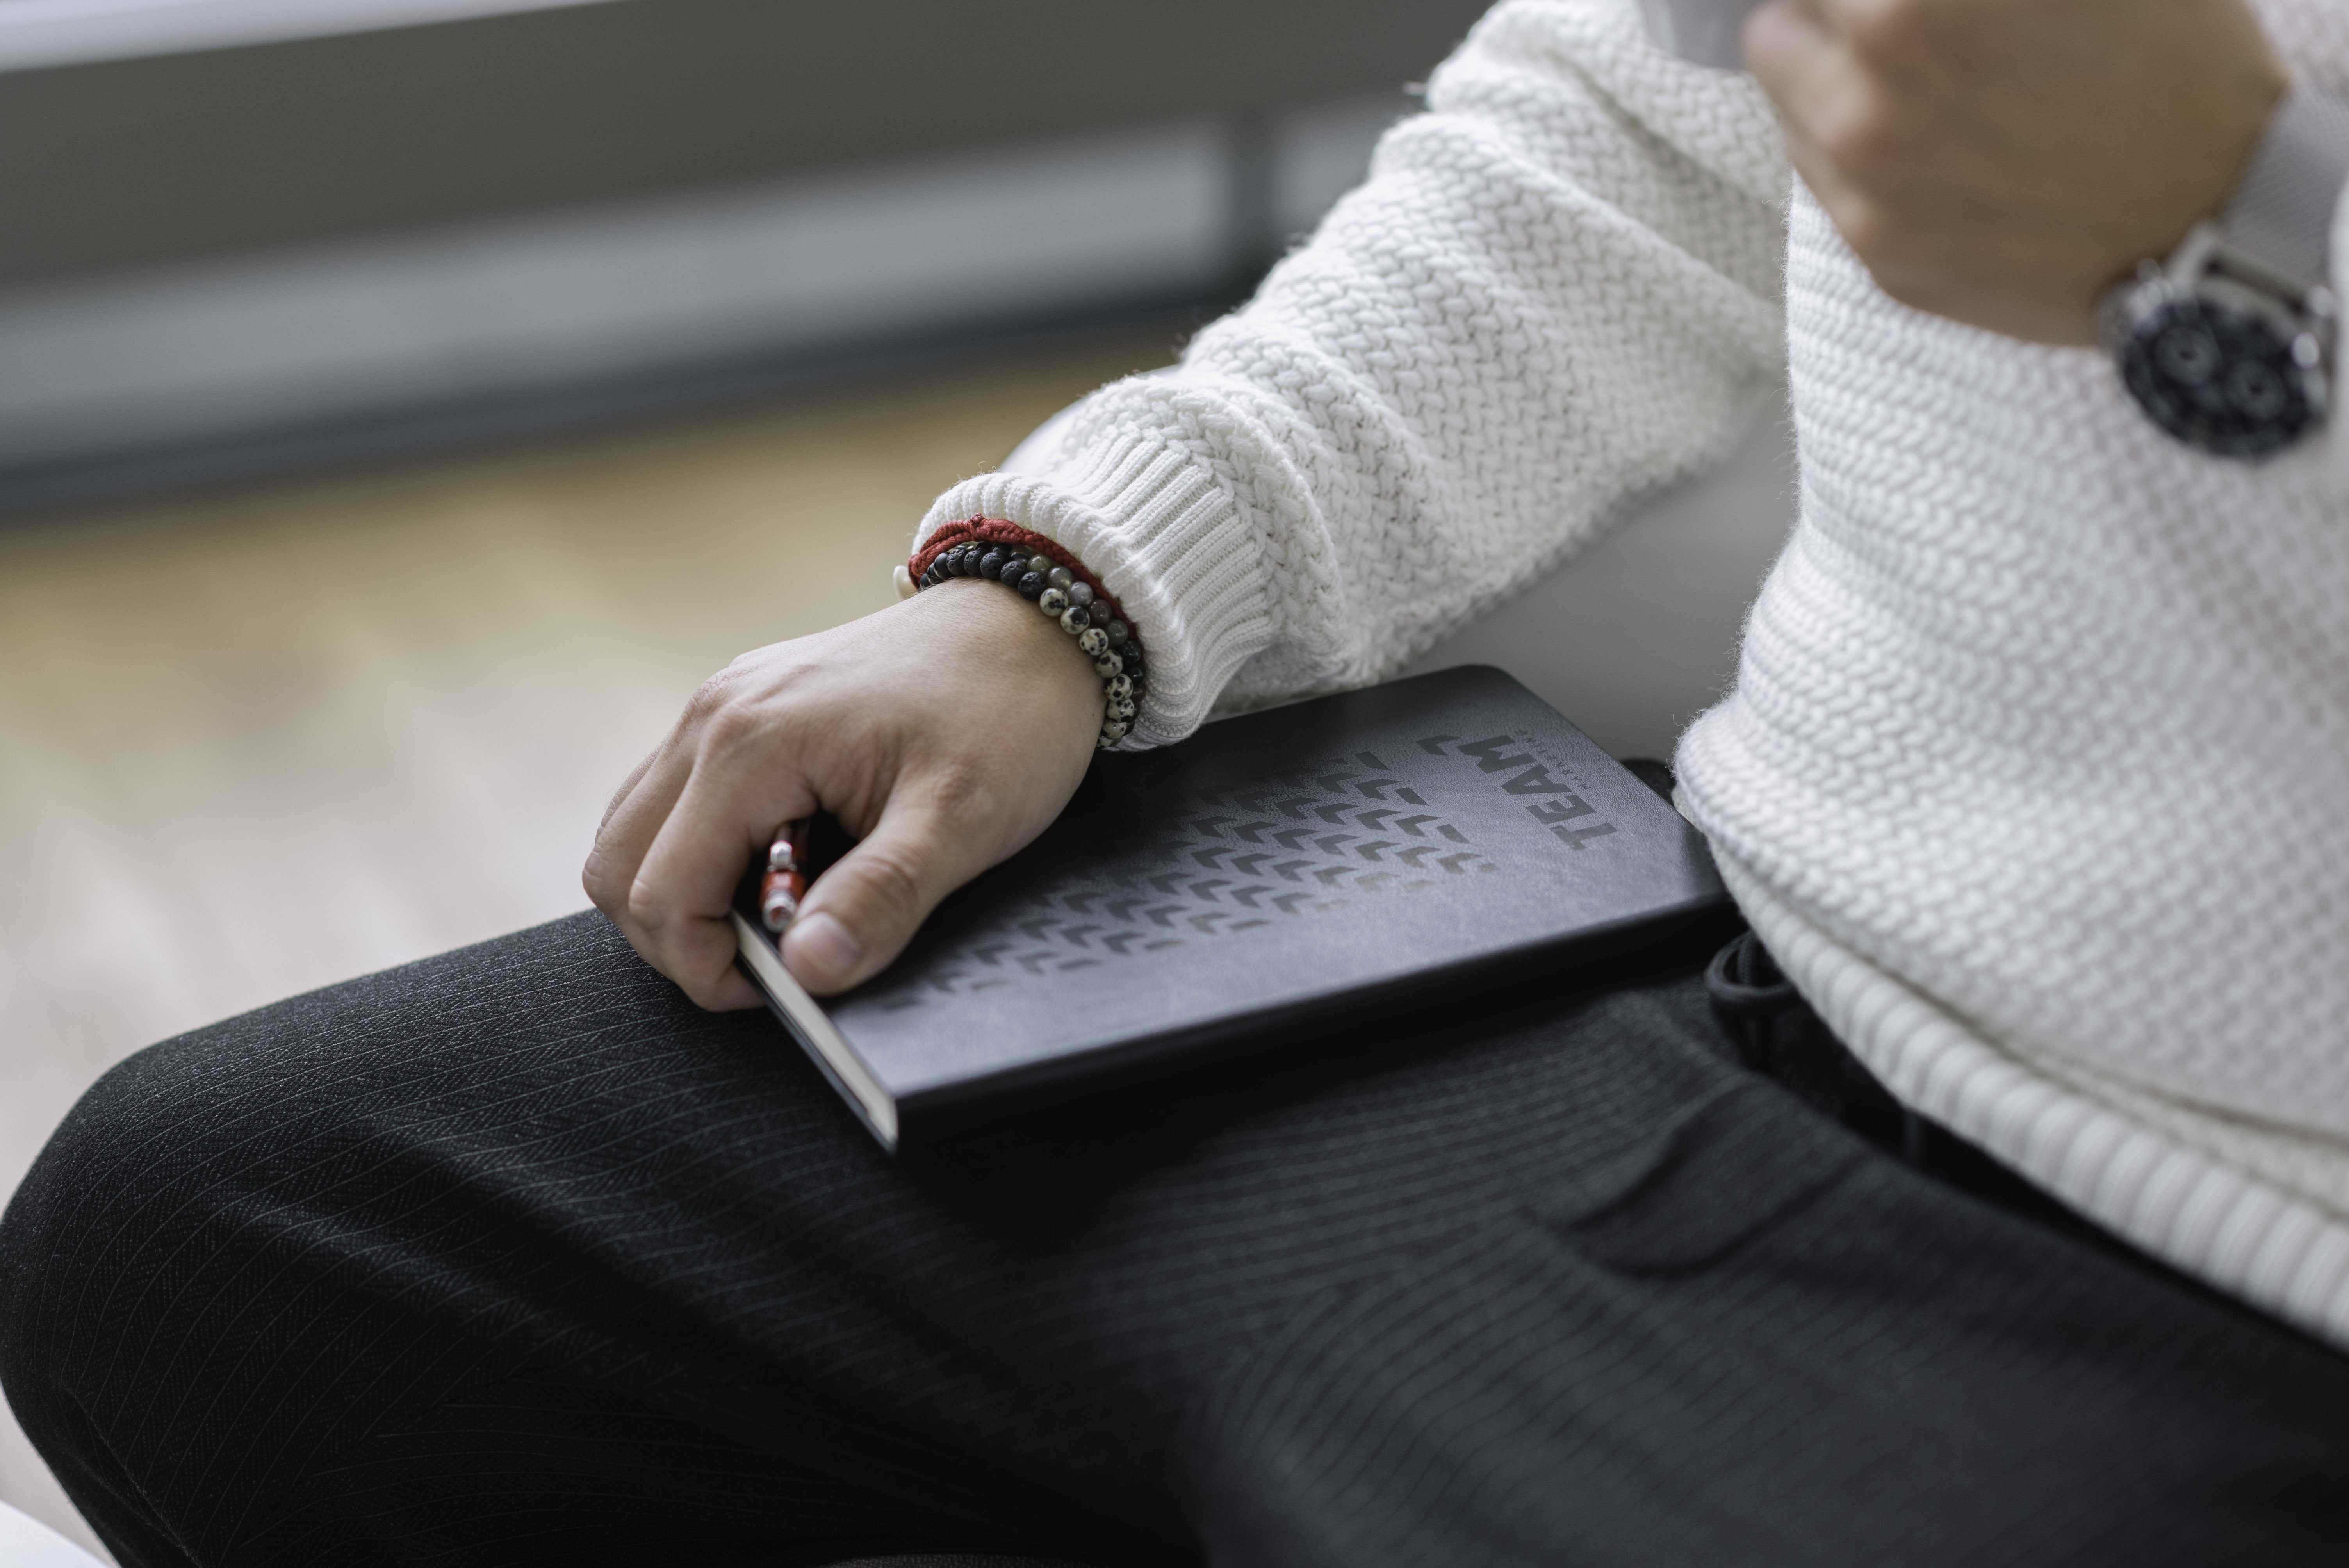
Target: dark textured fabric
{"type": "Point", "coordinates": [513, 1256]}
{"type": "Point", "coordinates": [954, 1560]}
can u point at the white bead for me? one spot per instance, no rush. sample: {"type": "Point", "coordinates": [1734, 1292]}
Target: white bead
{"type": "Point", "coordinates": [1052, 602]}
{"type": "Point", "coordinates": [1112, 731]}
{"type": "Point", "coordinates": [1107, 665]}
{"type": "Point", "coordinates": [905, 580]}
{"type": "Point", "coordinates": [1069, 622]}
{"type": "Point", "coordinates": [1121, 710]}
{"type": "Point", "coordinates": [1120, 687]}
{"type": "Point", "coordinates": [1093, 641]}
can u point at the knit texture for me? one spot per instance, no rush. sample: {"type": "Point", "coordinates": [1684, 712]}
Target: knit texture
{"type": "Point", "coordinates": [2032, 772]}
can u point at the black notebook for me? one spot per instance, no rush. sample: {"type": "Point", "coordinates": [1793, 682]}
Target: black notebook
{"type": "Point", "coordinates": [1275, 882]}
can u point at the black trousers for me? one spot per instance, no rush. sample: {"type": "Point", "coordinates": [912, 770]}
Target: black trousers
{"type": "Point", "coordinates": [513, 1257]}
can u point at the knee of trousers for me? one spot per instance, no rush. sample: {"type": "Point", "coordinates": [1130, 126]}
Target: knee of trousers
{"type": "Point", "coordinates": [290, 1212]}
{"type": "Point", "coordinates": [162, 1269]}
{"type": "Point", "coordinates": [188, 1258]}
{"type": "Point", "coordinates": [109, 1249]}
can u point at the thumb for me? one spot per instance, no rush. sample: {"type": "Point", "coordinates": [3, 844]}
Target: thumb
{"type": "Point", "coordinates": [863, 911]}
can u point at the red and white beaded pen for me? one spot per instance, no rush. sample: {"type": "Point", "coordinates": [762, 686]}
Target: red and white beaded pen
{"type": "Point", "coordinates": [781, 889]}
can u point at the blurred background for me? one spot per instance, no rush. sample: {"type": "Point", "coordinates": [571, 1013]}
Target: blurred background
{"type": "Point", "coordinates": [405, 403]}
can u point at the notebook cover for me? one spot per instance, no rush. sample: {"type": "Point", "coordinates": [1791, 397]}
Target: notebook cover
{"type": "Point", "coordinates": [1274, 881]}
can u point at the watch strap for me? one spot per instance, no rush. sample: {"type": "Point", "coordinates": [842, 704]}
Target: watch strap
{"type": "Point", "coordinates": [2279, 214]}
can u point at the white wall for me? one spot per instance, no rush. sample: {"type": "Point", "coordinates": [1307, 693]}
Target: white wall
{"type": "Point", "coordinates": [1638, 634]}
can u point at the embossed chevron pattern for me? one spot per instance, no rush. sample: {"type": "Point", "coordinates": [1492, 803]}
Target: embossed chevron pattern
{"type": "Point", "coordinates": [1234, 859]}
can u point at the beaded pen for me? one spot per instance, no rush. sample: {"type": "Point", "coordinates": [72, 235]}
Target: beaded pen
{"type": "Point", "coordinates": [781, 889]}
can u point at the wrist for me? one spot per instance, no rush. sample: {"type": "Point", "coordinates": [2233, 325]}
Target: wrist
{"type": "Point", "coordinates": [1068, 597]}
{"type": "Point", "coordinates": [998, 654]}
{"type": "Point", "coordinates": [2228, 345]}
{"type": "Point", "coordinates": [1002, 634]}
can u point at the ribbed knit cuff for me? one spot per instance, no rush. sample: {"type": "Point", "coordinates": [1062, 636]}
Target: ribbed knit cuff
{"type": "Point", "coordinates": [1153, 523]}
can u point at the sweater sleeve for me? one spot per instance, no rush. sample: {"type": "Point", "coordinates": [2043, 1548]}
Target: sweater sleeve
{"type": "Point", "coordinates": [1558, 291]}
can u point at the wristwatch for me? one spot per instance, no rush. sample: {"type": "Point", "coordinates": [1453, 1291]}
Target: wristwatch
{"type": "Point", "coordinates": [2229, 344]}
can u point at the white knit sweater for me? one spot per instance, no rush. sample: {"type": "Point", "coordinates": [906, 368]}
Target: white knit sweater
{"type": "Point", "coordinates": [2034, 773]}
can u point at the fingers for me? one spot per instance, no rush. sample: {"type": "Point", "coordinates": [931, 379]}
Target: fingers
{"type": "Point", "coordinates": [1778, 38]}
{"type": "Point", "coordinates": [680, 900]}
{"type": "Point", "coordinates": [1809, 72]}
{"type": "Point", "coordinates": [862, 911]}
{"type": "Point", "coordinates": [638, 810]}
{"type": "Point", "coordinates": [1823, 98]}
{"type": "Point", "coordinates": [643, 800]}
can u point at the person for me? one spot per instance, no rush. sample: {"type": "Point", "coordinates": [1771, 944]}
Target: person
{"type": "Point", "coordinates": [2006, 1224]}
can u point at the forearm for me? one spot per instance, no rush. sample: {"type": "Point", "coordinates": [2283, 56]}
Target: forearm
{"type": "Point", "coordinates": [1558, 289]}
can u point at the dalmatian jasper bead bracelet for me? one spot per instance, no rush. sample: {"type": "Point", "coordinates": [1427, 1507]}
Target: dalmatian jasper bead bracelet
{"type": "Point", "coordinates": [1059, 590]}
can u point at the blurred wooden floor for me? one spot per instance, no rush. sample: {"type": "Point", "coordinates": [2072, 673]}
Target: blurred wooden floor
{"type": "Point", "coordinates": [258, 743]}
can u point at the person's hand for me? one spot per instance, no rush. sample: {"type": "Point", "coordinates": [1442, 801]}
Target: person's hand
{"type": "Point", "coordinates": [2002, 162]}
{"type": "Point", "coordinates": [944, 732]}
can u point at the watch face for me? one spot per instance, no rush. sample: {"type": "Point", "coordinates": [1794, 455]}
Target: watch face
{"type": "Point", "coordinates": [2236, 381]}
